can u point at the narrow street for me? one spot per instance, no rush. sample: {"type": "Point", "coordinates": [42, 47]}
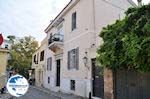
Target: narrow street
{"type": "Point", "coordinates": [36, 94]}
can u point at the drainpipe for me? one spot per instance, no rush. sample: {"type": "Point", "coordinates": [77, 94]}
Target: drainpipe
{"type": "Point", "coordinates": [94, 26]}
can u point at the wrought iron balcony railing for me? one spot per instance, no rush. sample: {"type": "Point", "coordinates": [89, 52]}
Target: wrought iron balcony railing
{"type": "Point", "coordinates": [55, 38]}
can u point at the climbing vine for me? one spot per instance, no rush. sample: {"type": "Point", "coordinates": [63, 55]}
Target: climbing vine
{"type": "Point", "coordinates": [127, 42]}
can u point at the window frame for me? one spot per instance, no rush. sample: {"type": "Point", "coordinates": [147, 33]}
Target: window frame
{"type": "Point", "coordinates": [48, 80]}
{"type": "Point", "coordinates": [73, 59]}
{"type": "Point", "coordinates": [49, 64]}
{"type": "Point", "coordinates": [42, 55]}
{"type": "Point", "coordinates": [72, 85]}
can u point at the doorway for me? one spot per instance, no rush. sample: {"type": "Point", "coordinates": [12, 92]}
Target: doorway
{"type": "Point", "coordinates": [98, 80]}
{"type": "Point", "coordinates": [58, 64]}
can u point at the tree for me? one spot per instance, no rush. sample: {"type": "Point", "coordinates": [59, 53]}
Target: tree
{"type": "Point", "coordinates": [126, 42]}
{"type": "Point", "coordinates": [21, 54]}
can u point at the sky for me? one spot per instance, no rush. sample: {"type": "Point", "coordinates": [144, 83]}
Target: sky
{"type": "Point", "coordinates": [29, 17]}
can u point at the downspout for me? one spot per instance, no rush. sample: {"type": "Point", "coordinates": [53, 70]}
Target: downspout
{"type": "Point", "coordinates": [94, 25]}
{"type": "Point", "coordinates": [93, 45]}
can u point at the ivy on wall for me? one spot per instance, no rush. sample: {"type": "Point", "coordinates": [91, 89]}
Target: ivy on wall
{"type": "Point", "coordinates": [127, 42]}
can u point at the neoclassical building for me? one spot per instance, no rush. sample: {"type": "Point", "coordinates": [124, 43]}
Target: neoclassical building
{"type": "Point", "coordinates": [72, 40]}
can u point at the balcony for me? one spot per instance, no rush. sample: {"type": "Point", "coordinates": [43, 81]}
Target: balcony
{"type": "Point", "coordinates": [55, 42]}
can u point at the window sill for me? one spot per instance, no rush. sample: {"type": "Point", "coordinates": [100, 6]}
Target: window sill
{"type": "Point", "coordinates": [74, 30]}
{"type": "Point", "coordinates": [73, 69]}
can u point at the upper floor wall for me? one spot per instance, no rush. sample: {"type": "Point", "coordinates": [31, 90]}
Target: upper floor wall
{"type": "Point", "coordinates": [38, 58]}
{"type": "Point", "coordinates": [82, 16]}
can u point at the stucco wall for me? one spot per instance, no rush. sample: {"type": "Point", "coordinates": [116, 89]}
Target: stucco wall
{"type": "Point", "coordinates": [39, 68]}
{"type": "Point", "coordinates": [3, 64]}
{"type": "Point", "coordinates": [92, 15]}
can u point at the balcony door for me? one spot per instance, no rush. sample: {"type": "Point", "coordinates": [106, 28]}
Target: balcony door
{"type": "Point", "coordinates": [60, 29]}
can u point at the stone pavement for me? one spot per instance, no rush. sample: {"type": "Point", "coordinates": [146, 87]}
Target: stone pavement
{"type": "Point", "coordinates": [42, 93]}
{"type": "Point", "coordinates": [59, 95]}
{"type": "Point", "coordinates": [5, 96]}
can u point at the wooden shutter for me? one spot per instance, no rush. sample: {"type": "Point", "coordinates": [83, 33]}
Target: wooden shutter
{"type": "Point", "coordinates": [77, 58]}
{"type": "Point", "coordinates": [73, 20]}
{"type": "Point", "coordinates": [68, 61]}
{"type": "Point", "coordinates": [50, 63]}
{"type": "Point", "coordinates": [47, 63]}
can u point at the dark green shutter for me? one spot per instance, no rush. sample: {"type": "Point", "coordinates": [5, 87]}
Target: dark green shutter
{"type": "Point", "coordinates": [77, 58]}
{"type": "Point", "coordinates": [50, 63]}
{"type": "Point", "coordinates": [74, 16]}
{"type": "Point", "coordinates": [47, 63]}
{"type": "Point", "coordinates": [68, 61]}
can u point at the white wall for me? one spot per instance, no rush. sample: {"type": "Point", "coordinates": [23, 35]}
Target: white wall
{"type": "Point", "coordinates": [90, 21]}
{"type": "Point", "coordinates": [6, 42]}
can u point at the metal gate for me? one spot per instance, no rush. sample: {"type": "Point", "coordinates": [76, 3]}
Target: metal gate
{"type": "Point", "coordinates": [98, 80]}
{"type": "Point", "coordinates": [132, 85]}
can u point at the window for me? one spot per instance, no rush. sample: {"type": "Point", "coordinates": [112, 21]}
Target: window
{"type": "Point", "coordinates": [49, 63]}
{"type": "Point", "coordinates": [6, 46]}
{"type": "Point", "coordinates": [37, 60]}
{"type": "Point", "coordinates": [73, 59]}
{"type": "Point", "coordinates": [42, 56]}
{"type": "Point", "coordinates": [34, 58]}
{"type": "Point", "coordinates": [72, 85]}
{"type": "Point", "coordinates": [60, 29]}
{"type": "Point", "coordinates": [48, 80]}
{"type": "Point", "coordinates": [74, 19]}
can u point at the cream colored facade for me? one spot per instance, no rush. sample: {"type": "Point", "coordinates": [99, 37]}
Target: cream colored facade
{"type": "Point", "coordinates": [91, 17]}
{"type": "Point", "coordinates": [38, 64]}
{"type": "Point", "coordinates": [3, 64]}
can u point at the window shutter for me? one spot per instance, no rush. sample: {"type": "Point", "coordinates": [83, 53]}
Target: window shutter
{"type": "Point", "coordinates": [73, 20]}
{"type": "Point", "coordinates": [47, 63]}
{"type": "Point", "coordinates": [68, 60]}
{"type": "Point", "coordinates": [50, 63]}
{"type": "Point", "coordinates": [77, 58]}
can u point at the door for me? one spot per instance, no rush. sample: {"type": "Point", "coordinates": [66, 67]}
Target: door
{"type": "Point", "coordinates": [98, 80]}
{"type": "Point", "coordinates": [131, 85]}
{"type": "Point", "coordinates": [58, 72]}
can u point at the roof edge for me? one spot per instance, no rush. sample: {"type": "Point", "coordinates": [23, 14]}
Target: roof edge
{"type": "Point", "coordinates": [132, 3]}
{"type": "Point", "coordinates": [46, 30]}
{"type": "Point", "coordinates": [71, 4]}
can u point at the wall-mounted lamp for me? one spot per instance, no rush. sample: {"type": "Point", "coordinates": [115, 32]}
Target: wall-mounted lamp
{"type": "Point", "coordinates": [85, 60]}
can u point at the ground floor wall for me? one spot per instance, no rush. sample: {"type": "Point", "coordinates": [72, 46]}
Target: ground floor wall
{"type": "Point", "coordinates": [82, 86]}
{"type": "Point", "coordinates": [39, 77]}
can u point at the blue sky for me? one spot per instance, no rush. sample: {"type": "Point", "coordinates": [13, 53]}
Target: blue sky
{"type": "Point", "coordinates": [29, 17]}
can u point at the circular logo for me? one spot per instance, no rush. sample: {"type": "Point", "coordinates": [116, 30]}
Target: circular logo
{"type": "Point", "coordinates": [17, 85]}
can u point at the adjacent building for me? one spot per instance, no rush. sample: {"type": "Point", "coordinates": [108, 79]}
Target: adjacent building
{"type": "Point", "coordinates": [6, 44]}
{"type": "Point", "coordinates": [3, 65]}
{"type": "Point", "coordinates": [38, 64]}
{"type": "Point", "coordinates": [71, 44]}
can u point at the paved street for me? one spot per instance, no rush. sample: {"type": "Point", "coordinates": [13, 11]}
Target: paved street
{"type": "Point", "coordinates": [37, 94]}
{"type": "Point", "coordinates": [41, 93]}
